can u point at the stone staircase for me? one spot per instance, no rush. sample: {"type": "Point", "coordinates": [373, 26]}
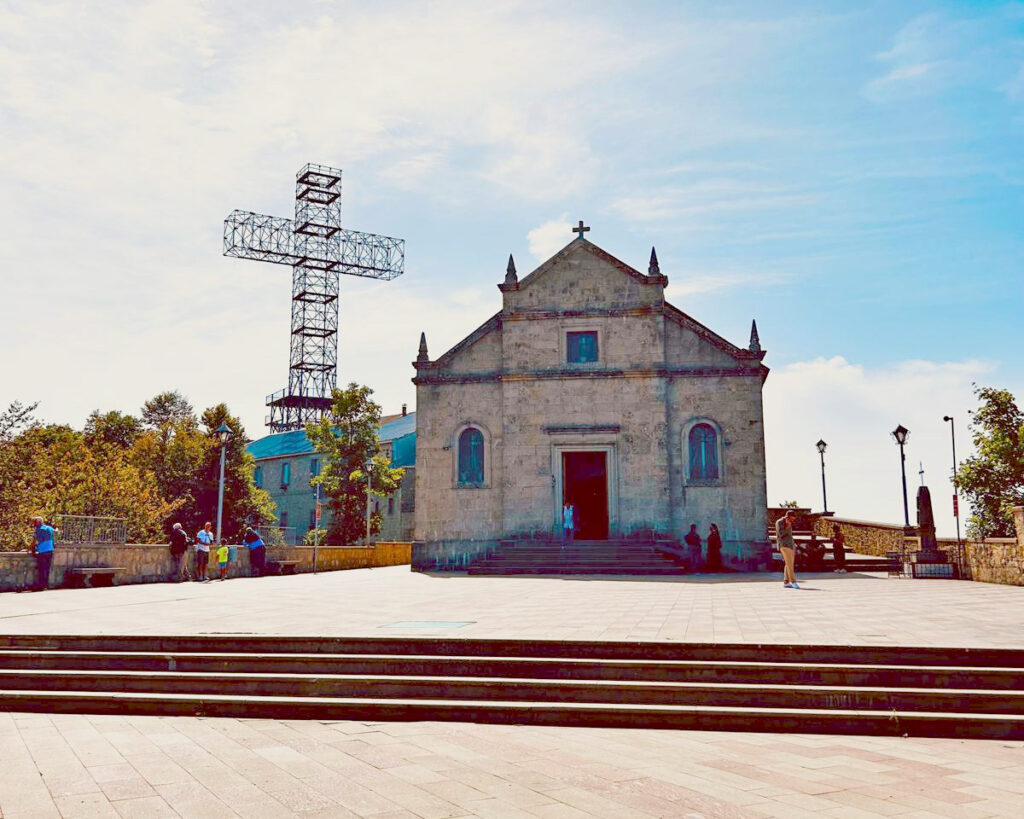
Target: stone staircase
{"type": "Point", "coordinates": [886, 690]}
{"type": "Point", "coordinates": [547, 557]}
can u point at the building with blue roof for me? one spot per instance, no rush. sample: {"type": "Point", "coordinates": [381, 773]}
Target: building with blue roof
{"type": "Point", "coordinates": [286, 462]}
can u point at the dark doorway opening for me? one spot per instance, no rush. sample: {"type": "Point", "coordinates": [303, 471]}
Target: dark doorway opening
{"type": "Point", "coordinates": [585, 486]}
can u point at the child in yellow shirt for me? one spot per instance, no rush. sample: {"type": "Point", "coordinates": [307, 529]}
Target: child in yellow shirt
{"type": "Point", "coordinates": [222, 559]}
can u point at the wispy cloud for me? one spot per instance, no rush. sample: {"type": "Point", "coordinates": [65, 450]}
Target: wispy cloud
{"type": "Point", "coordinates": [547, 239]}
{"type": "Point", "coordinates": [687, 283]}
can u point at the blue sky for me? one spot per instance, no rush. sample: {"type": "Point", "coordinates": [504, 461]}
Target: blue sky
{"type": "Point", "coordinates": [852, 175]}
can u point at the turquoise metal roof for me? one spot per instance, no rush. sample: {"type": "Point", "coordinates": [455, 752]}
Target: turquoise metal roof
{"type": "Point", "coordinates": [283, 444]}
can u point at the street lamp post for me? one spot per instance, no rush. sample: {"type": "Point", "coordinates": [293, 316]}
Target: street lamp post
{"type": "Point", "coordinates": [900, 434]}
{"type": "Point", "coordinates": [369, 486]}
{"type": "Point", "coordinates": [956, 498]}
{"type": "Point", "coordinates": [822, 446]}
{"type": "Point", "coordinates": [224, 433]}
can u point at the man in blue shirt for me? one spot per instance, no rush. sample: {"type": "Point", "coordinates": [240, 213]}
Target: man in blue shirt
{"type": "Point", "coordinates": [43, 548]}
{"type": "Point", "coordinates": [257, 552]}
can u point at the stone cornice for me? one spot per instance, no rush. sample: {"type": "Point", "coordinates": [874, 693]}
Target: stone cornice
{"type": "Point", "coordinates": [595, 312]}
{"type": "Point", "coordinates": [661, 371]}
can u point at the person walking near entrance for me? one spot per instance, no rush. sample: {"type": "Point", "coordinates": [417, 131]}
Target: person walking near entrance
{"type": "Point", "coordinates": [714, 562]}
{"type": "Point", "coordinates": [568, 520]}
{"type": "Point", "coordinates": [204, 539]}
{"type": "Point", "coordinates": [43, 549]}
{"type": "Point", "coordinates": [838, 548]}
{"type": "Point", "coordinates": [257, 551]}
{"type": "Point", "coordinates": [179, 554]}
{"type": "Point", "coordinates": [787, 547]}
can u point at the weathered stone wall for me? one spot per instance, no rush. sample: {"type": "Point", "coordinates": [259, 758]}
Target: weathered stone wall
{"type": "Point", "coordinates": [997, 560]}
{"type": "Point", "coordinates": [149, 563]}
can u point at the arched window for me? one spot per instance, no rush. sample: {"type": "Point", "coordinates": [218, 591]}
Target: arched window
{"type": "Point", "coordinates": [703, 453]}
{"type": "Point", "coordinates": [471, 456]}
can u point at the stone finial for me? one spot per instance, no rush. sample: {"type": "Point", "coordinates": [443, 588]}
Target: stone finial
{"type": "Point", "coordinates": [510, 271]}
{"type": "Point", "coordinates": [653, 269]}
{"type": "Point", "coordinates": [423, 357]}
{"type": "Point", "coordinates": [755, 341]}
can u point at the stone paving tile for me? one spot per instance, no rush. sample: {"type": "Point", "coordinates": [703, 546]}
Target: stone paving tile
{"type": "Point", "coordinates": [856, 609]}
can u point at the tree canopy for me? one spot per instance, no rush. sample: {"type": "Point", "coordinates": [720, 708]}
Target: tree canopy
{"type": "Point", "coordinates": [153, 470]}
{"type": "Point", "coordinates": [992, 479]}
{"type": "Point", "coordinates": [347, 437]}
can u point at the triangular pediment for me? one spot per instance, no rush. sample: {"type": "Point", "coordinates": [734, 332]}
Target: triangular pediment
{"type": "Point", "coordinates": [582, 275]}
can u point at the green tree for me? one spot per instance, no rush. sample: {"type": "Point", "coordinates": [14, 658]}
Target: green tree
{"type": "Point", "coordinates": [992, 479]}
{"type": "Point", "coordinates": [112, 427]}
{"type": "Point", "coordinates": [56, 471]}
{"type": "Point", "coordinates": [244, 503]}
{"type": "Point", "coordinates": [347, 439]}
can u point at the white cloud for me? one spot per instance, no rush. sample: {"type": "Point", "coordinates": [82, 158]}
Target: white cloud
{"type": "Point", "coordinates": [686, 283]}
{"type": "Point", "coordinates": [547, 239]}
{"type": "Point", "coordinates": [716, 195]}
{"type": "Point", "coordinates": [854, 408]}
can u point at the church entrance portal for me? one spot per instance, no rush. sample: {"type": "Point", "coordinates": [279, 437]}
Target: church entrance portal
{"type": "Point", "coordinates": [585, 486]}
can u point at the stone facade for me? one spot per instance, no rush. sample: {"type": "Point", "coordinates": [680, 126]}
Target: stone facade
{"type": "Point", "coordinates": [657, 375]}
{"type": "Point", "coordinates": [151, 562]}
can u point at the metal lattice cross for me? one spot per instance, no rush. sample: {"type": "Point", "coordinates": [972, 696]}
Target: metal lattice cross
{"type": "Point", "coordinates": [319, 250]}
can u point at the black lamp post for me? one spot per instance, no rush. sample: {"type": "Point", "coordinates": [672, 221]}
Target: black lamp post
{"type": "Point", "coordinates": [223, 433]}
{"type": "Point", "coordinates": [822, 446]}
{"type": "Point", "coordinates": [956, 499]}
{"type": "Point", "coordinates": [900, 434]}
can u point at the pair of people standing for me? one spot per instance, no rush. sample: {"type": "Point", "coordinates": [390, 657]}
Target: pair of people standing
{"type": "Point", "coordinates": [713, 562]}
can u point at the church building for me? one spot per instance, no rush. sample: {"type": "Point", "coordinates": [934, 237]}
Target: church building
{"type": "Point", "coordinates": [589, 388]}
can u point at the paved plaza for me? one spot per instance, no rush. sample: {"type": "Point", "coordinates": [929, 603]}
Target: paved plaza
{"type": "Point", "coordinates": [94, 766]}
{"type": "Point", "coordinates": [851, 609]}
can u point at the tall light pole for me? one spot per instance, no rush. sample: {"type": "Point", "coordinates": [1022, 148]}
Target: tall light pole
{"type": "Point", "coordinates": [369, 479]}
{"type": "Point", "coordinates": [822, 446]}
{"type": "Point", "coordinates": [224, 433]}
{"type": "Point", "coordinates": [956, 498]}
{"type": "Point", "coordinates": [900, 434]}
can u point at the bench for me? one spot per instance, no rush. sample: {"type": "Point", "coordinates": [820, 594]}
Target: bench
{"type": "Point", "coordinates": [92, 576]}
{"type": "Point", "coordinates": [282, 566]}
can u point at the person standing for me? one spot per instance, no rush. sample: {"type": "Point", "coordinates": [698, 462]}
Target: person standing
{"type": "Point", "coordinates": [257, 551]}
{"type": "Point", "coordinates": [692, 539]}
{"type": "Point", "coordinates": [43, 550]}
{"type": "Point", "coordinates": [568, 520]}
{"type": "Point", "coordinates": [222, 561]}
{"type": "Point", "coordinates": [179, 553]}
{"type": "Point", "coordinates": [714, 563]}
{"type": "Point", "coordinates": [204, 539]}
{"type": "Point", "coordinates": [838, 548]}
{"type": "Point", "coordinates": [787, 547]}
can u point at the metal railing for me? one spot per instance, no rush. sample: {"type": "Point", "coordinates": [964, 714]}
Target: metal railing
{"type": "Point", "coordinates": [278, 535]}
{"type": "Point", "coordinates": [91, 529]}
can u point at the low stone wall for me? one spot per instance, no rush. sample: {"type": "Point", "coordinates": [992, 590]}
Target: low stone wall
{"type": "Point", "coordinates": [997, 560]}
{"type": "Point", "coordinates": [150, 563]}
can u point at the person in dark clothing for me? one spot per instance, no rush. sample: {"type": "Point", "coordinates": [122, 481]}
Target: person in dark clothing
{"type": "Point", "coordinates": [714, 562]}
{"type": "Point", "coordinates": [179, 554]}
{"type": "Point", "coordinates": [838, 548]}
{"type": "Point", "coordinates": [693, 540]}
{"type": "Point", "coordinates": [257, 552]}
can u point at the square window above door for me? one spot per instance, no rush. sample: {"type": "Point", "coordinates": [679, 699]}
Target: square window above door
{"type": "Point", "coordinates": [581, 347]}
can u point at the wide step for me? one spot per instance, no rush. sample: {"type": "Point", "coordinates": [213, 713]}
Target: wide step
{"type": "Point", "coordinates": [923, 691]}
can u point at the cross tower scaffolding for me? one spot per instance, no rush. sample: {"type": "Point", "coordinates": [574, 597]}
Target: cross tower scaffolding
{"type": "Point", "coordinates": [319, 250]}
